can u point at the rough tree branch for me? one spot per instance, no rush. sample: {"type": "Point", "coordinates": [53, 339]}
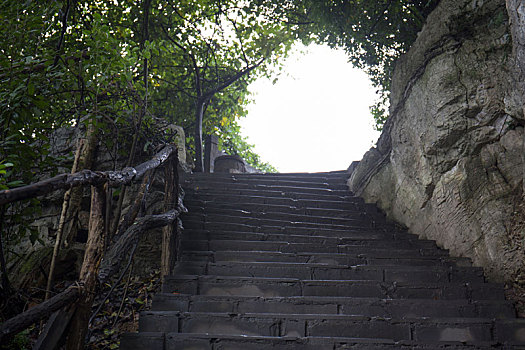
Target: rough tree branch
{"type": "Point", "coordinates": [85, 177]}
{"type": "Point", "coordinates": [119, 250]}
{"type": "Point", "coordinates": [25, 319]}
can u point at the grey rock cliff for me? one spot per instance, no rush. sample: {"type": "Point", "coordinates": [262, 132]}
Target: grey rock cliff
{"type": "Point", "coordinates": [449, 164]}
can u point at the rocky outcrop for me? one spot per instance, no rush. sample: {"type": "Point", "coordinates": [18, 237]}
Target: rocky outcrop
{"type": "Point", "coordinates": [516, 11]}
{"type": "Point", "coordinates": [449, 164]}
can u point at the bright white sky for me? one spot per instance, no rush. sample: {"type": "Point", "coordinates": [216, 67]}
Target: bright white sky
{"type": "Point", "coordinates": [315, 118]}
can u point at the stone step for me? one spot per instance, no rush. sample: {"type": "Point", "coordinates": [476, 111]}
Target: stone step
{"type": "Point", "coordinates": [286, 228]}
{"type": "Point", "coordinates": [351, 237]}
{"type": "Point", "coordinates": [305, 175]}
{"type": "Point", "coordinates": [342, 204]}
{"type": "Point", "coordinates": [289, 287]}
{"type": "Point", "coordinates": [372, 307]}
{"type": "Point", "coordinates": [274, 219]}
{"type": "Point", "coordinates": [334, 184]}
{"type": "Point", "coordinates": [278, 227]}
{"type": "Point", "coordinates": [285, 247]}
{"type": "Point", "coordinates": [228, 196]}
{"type": "Point", "coordinates": [304, 325]}
{"type": "Point", "coordinates": [322, 258]}
{"type": "Point", "coordinates": [224, 187]}
{"type": "Point", "coordinates": [318, 271]}
{"type": "Point", "coordinates": [270, 189]}
{"type": "Point", "coordinates": [197, 206]}
{"type": "Point", "coordinates": [222, 222]}
{"type": "Point", "coordinates": [183, 341]}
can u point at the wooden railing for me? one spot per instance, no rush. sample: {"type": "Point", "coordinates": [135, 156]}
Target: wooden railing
{"type": "Point", "coordinates": [99, 265]}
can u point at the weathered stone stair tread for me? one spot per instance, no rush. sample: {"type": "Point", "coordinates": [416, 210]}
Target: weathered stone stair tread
{"type": "Point", "coordinates": [287, 287]}
{"type": "Point", "coordinates": [289, 228]}
{"type": "Point", "coordinates": [319, 194]}
{"type": "Point", "coordinates": [244, 216]}
{"type": "Point", "coordinates": [193, 222]}
{"type": "Point", "coordinates": [295, 238]}
{"type": "Point", "coordinates": [219, 207]}
{"type": "Point", "coordinates": [295, 261]}
{"type": "Point", "coordinates": [351, 238]}
{"type": "Point", "coordinates": [328, 258]}
{"type": "Point", "coordinates": [185, 341]}
{"type": "Point", "coordinates": [287, 247]}
{"type": "Point", "coordinates": [306, 176]}
{"type": "Point", "coordinates": [388, 308]}
{"type": "Point", "coordinates": [265, 190]}
{"type": "Point", "coordinates": [303, 325]}
{"type": "Point", "coordinates": [374, 233]}
{"type": "Point", "coordinates": [342, 204]}
{"type": "Point", "coordinates": [262, 183]}
{"type": "Point", "coordinates": [319, 271]}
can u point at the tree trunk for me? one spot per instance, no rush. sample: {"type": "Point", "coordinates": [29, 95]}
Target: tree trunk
{"type": "Point", "coordinates": [89, 271]}
{"type": "Point", "coordinates": [199, 114]}
{"type": "Point", "coordinates": [5, 289]}
{"type": "Point", "coordinates": [75, 201]}
{"type": "Point", "coordinates": [169, 232]}
{"type": "Point", "coordinates": [61, 223]}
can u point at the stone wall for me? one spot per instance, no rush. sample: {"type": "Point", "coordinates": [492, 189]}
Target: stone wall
{"type": "Point", "coordinates": [449, 163]}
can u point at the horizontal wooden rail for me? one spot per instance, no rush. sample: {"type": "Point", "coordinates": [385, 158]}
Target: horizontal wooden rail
{"type": "Point", "coordinates": [122, 246]}
{"type": "Point", "coordinates": [86, 177]}
{"type": "Point", "coordinates": [41, 311]}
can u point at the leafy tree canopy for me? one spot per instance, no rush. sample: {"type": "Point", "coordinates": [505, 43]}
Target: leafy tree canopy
{"type": "Point", "coordinates": [373, 33]}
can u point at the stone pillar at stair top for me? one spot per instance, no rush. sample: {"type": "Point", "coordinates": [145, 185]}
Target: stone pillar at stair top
{"type": "Point", "coordinates": [180, 141]}
{"type": "Point", "coordinates": [211, 151]}
{"type": "Point", "coordinates": [230, 164]}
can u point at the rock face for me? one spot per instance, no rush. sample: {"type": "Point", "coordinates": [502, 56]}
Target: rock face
{"type": "Point", "coordinates": [449, 164]}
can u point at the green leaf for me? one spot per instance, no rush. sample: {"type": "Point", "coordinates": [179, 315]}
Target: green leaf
{"type": "Point", "coordinates": [16, 183]}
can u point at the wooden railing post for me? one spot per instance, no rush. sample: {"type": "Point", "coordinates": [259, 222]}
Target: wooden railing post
{"type": "Point", "coordinates": [89, 271]}
{"type": "Point", "coordinates": [170, 244]}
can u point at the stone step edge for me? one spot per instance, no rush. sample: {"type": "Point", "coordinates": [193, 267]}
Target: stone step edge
{"type": "Point", "coordinates": [322, 173]}
{"type": "Point", "coordinates": [439, 259]}
{"type": "Point", "coordinates": [341, 200]}
{"type": "Point", "coordinates": [324, 300]}
{"type": "Point", "coordinates": [215, 278]}
{"type": "Point", "coordinates": [272, 192]}
{"type": "Point", "coordinates": [470, 290]}
{"type": "Point", "coordinates": [232, 242]}
{"type": "Point", "coordinates": [279, 186]}
{"type": "Point", "coordinates": [333, 199]}
{"type": "Point", "coordinates": [282, 225]}
{"type": "Point", "coordinates": [248, 214]}
{"type": "Point", "coordinates": [513, 329]}
{"type": "Point", "coordinates": [235, 264]}
{"type": "Point", "coordinates": [360, 235]}
{"type": "Point", "coordinates": [290, 182]}
{"type": "Point", "coordinates": [278, 208]}
{"type": "Point", "coordinates": [366, 235]}
{"type": "Point", "coordinates": [161, 337]}
{"type": "Point", "coordinates": [350, 318]}
{"type": "Point", "coordinates": [229, 209]}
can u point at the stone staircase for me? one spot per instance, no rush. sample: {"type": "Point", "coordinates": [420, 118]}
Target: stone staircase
{"type": "Point", "coordinates": [295, 261]}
